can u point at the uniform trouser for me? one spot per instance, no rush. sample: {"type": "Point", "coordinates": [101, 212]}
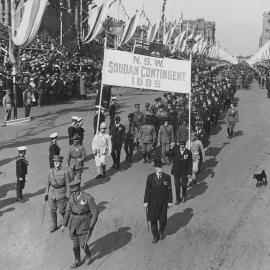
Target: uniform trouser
{"type": "Point", "coordinates": [268, 93]}
{"type": "Point", "coordinates": [79, 240]}
{"type": "Point", "coordinates": [165, 147]}
{"type": "Point", "coordinates": [180, 182]}
{"type": "Point", "coordinates": [129, 147]}
{"type": "Point", "coordinates": [146, 149]}
{"type": "Point", "coordinates": [19, 187]}
{"type": "Point", "coordinates": [27, 110]}
{"type": "Point", "coordinates": [162, 221]}
{"type": "Point", "coordinates": [41, 99]}
{"type": "Point", "coordinates": [58, 204]}
{"type": "Point", "coordinates": [230, 127]}
{"type": "Point", "coordinates": [116, 153]}
{"type": "Point", "coordinates": [100, 160]}
{"type": "Point", "coordinates": [76, 173]}
{"type": "Point", "coordinates": [195, 167]}
{"type": "Point", "coordinates": [7, 115]}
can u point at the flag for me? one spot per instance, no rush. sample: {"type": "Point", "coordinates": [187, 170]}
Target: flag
{"type": "Point", "coordinates": [130, 28]}
{"type": "Point", "coordinates": [178, 41]}
{"type": "Point", "coordinates": [152, 31]}
{"type": "Point", "coordinates": [167, 37]}
{"type": "Point", "coordinates": [96, 21]}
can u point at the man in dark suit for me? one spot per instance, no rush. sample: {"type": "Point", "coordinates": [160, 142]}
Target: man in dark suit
{"type": "Point", "coordinates": [181, 169]}
{"type": "Point", "coordinates": [157, 200]}
{"type": "Point", "coordinates": [117, 133]}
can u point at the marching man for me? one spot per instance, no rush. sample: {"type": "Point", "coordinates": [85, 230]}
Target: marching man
{"type": "Point", "coordinates": [101, 145]}
{"type": "Point", "coordinates": [21, 172]}
{"type": "Point", "coordinates": [54, 148]}
{"type": "Point", "coordinates": [231, 119]}
{"type": "Point", "coordinates": [157, 200]}
{"type": "Point", "coordinates": [80, 217]}
{"type": "Point", "coordinates": [57, 190]}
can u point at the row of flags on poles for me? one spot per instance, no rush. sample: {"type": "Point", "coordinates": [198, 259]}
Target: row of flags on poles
{"type": "Point", "coordinates": [261, 55]}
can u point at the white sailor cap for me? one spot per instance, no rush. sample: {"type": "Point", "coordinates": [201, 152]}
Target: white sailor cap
{"type": "Point", "coordinates": [53, 135]}
{"type": "Point", "coordinates": [21, 148]}
{"type": "Point", "coordinates": [80, 119]}
{"type": "Point", "coordinates": [113, 97]}
{"type": "Point", "coordinates": [75, 118]}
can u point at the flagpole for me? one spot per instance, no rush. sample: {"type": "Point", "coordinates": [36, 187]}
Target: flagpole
{"type": "Point", "coordinates": [189, 108]}
{"type": "Point", "coordinates": [101, 90]}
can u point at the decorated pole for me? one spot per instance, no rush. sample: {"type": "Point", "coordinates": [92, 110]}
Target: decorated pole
{"type": "Point", "coordinates": [101, 91]}
{"type": "Point", "coordinates": [12, 57]}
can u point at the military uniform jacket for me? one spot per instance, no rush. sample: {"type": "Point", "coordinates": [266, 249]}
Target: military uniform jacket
{"type": "Point", "coordinates": [7, 102]}
{"type": "Point", "coordinates": [147, 134]}
{"type": "Point", "coordinates": [182, 163]}
{"type": "Point", "coordinates": [21, 167]}
{"type": "Point", "coordinates": [102, 144]}
{"type": "Point", "coordinates": [117, 134]}
{"type": "Point", "coordinates": [81, 213]}
{"type": "Point", "coordinates": [165, 134]}
{"type": "Point", "coordinates": [232, 116]}
{"type": "Point", "coordinates": [158, 193]}
{"type": "Point", "coordinates": [138, 118]}
{"type": "Point", "coordinates": [57, 185]}
{"type": "Point", "coordinates": [76, 156]}
{"type": "Point", "coordinates": [131, 130]}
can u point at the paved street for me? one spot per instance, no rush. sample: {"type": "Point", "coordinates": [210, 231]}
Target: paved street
{"type": "Point", "coordinates": [223, 225]}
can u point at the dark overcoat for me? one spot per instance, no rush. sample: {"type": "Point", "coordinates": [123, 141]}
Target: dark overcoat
{"type": "Point", "coordinates": [182, 164]}
{"type": "Point", "coordinates": [158, 194]}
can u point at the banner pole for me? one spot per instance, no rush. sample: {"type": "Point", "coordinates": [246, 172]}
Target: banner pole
{"type": "Point", "coordinates": [101, 90]}
{"type": "Point", "coordinates": [189, 109]}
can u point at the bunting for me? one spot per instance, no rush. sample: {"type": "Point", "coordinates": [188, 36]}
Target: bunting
{"type": "Point", "coordinates": [96, 20]}
{"type": "Point", "coordinates": [178, 42]}
{"type": "Point", "coordinates": [168, 36]}
{"type": "Point", "coordinates": [130, 28]}
{"type": "Point", "coordinates": [152, 32]}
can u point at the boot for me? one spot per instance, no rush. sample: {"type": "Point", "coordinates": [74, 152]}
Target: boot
{"type": "Point", "coordinates": [17, 195]}
{"type": "Point", "coordinates": [77, 255]}
{"type": "Point", "coordinates": [20, 197]}
{"type": "Point", "coordinates": [54, 222]}
{"type": "Point", "coordinates": [103, 167]}
{"type": "Point", "coordinates": [87, 254]}
{"type": "Point", "coordinates": [99, 172]}
{"type": "Point", "coordinates": [149, 157]}
{"type": "Point", "coordinates": [161, 235]}
{"type": "Point", "coordinates": [144, 158]}
{"type": "Point", "coordinates": [228, 131]}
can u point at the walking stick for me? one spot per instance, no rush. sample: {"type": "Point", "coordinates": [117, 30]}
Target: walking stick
{"type": "Point", "coordinates": [85, 242]}
{"type": "Point", "coordinates": [146, 212]}
{"type": "Point", "coordinates": [43, 214]}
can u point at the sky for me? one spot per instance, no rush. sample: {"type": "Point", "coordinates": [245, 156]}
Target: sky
{"type": "Point", "coordinates": [238, 22]}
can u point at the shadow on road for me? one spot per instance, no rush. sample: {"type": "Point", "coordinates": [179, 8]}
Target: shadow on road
{"type": "Point", "coordinates": [238, 133]}
{"type": "Point", "coordinates": [109, 243]}
{"type": "Point", "coordinates": [178, 221]}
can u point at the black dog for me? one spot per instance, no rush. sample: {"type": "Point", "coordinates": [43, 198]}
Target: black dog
{"type": "Point", "coordinates": [261, 178]}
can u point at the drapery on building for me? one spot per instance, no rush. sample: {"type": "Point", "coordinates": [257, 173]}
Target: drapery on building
{"type": "Point", "coordinates": [265, 29]}
{"type": "Point", "coordinates": [207, 28]}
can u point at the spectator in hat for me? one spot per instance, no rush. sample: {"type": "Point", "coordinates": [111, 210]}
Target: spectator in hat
{"type": "Point", "coordinates": [21, 172]}
{"type": "Point", "coordinates": [157, 200]}
{"type": "Point", "coordinates": [57, 190]}
{"type": "Point", "coordinates": [41, 88]}
{"type": "Point", "coordinates": [54, 149]}
{"type": "Point", "coordinates": [7, 104]}
{"type": "Point", "coordinates": [101, 146]}
{"type": "Point", "coordinates": [117, 133]}
{"type": "Point", "coordinates": [146, 110]}
{"type": "Point", "coordinates": [80, 217]}
{"type": "Point", "coordinates": [27, 99]}
{"type": "Point", "coordinates": [75, 158]}
{"type": "Point", "coordinates": [131, 137]}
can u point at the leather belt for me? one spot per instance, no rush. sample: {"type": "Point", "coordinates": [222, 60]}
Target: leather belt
{"type": "Point", "coordinates": [57, 187]}
{"type": "Point", "coordinates": [77, 214]}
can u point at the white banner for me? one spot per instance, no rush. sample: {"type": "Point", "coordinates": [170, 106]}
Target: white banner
{"type": "Point", "coordinates": [139, 71]}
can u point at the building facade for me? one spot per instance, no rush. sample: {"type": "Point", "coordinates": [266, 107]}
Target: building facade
{"type": "Point", "coordinates": [265, 29]}
{"type": "Point", "coordinates": [206, 28]}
